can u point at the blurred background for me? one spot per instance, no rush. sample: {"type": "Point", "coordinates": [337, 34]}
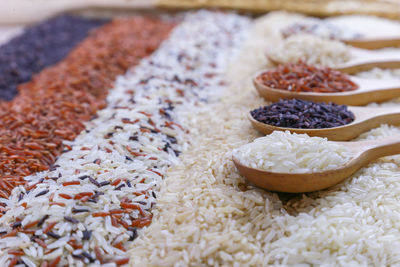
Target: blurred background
{"type": "Point", "coordinates": [28, 11]}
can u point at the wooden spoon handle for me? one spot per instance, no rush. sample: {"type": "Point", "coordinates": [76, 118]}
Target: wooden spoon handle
{"type": "Point", "coordinates": [374, 149]}
{"type": "Point", "coordinates": [380, 85]}
{"type": "Point", "coordinates": [366, 59]}
{"type": "Point", "coordinates": [374, 43]}
{"type": "Point", "coordinates": [364, 113]}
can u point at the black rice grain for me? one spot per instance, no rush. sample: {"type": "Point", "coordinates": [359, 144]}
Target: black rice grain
{"type": "Point", "coordinates": [104, 183]}
{"type": "Point", "coordinates": [303, 114]}
{"type": "Point", "coordinates": [75, 210]}
{"type": "Point", "coordinates": [70, 219]}
{"type": "Point", "coordinates": [88, 256]}
{"type": "Point", "coordinates": [16, 224]}
{"type": "Point", "coordinates": [86, 234]}
{"type": "Point", "coordinates": [93, 181]}
{"type": "Point", "coordinates": [44, 192]}
{"type": "Point", "coordinates": [134, 234]}
{"type": "Point", "coordinates": [119, 187]}
{"type": "Point", "coordinates": [44, 218]}
{"type": "Point", "coordinates": [83, 177]}
{"type": "Point", "coordinates": [53, 235]}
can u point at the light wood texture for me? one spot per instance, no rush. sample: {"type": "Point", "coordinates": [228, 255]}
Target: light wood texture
{"type": "Point", "coordinates": [366, 118]}
{"type": "Point", "coordinates": [363, 59]}
{"type": "Point", "coordinates": [29, 11]}
{"type": "Point", "coordinates": [370, 90]}
{"type": "Point", "coordinates": [371, 43]}
{"type": "Point", "coordinates": [384, 8]}
{"type": "Point", "coordinates": [363, 152]}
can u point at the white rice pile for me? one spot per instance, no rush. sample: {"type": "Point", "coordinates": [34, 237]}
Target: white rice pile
{"type": "Point", "coordinates": [367, 26]}
{"type": "Point", "coordinates": [320, 28]}
{"type": "Point", "coordinates": [97, 196]}
{"type": "Point", "coordinates": [292, 153]}
{"type": "Point", "coordinates": [377, 73]}
{"type": "Point", "coordinates": [310, 49]}
{"type": "Point", "coordinates": [208, 215]}
{"type": "Point", "coordinates": [344, 27]}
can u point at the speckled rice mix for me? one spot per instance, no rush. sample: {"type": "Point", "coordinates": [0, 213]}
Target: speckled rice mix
{"type": "Point", "coordinates": [116, 164]}
{"type": "Point", "coordinates": [54, 105]}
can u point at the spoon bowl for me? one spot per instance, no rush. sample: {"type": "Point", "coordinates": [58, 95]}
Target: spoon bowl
{"type": "Point", "coordinates": [366, 118]}
{"type": "Point", "coordinates": [370, 90]}
{"type": "Point", "coordinates": [362, 153]}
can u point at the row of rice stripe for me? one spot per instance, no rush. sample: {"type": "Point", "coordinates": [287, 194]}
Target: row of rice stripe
{"type": "Point", "coordinates": [53, 106]}
{"type": "Point", "coordinates": [38, 47]}
{"type": "Point", "coordinates": [91, 203]}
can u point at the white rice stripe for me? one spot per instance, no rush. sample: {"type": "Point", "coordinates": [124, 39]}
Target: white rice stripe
{"type": "Point", "coordinates": [208, 215]}
{"type": "Point", "coordinates": [122, 156]}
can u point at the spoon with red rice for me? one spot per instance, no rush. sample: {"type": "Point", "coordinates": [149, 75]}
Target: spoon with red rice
{"type": "Point", "coordinates": [302, 81]}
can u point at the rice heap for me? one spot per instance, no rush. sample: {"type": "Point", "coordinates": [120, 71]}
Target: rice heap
{"type": "Point", "coordinates": [320, 28]}
{"type": "Point", "coordinates": [292, 153]}
{"type": "Point", "coordinates": [97, 195]}
{"type": "Point", "coordinates": [377, 73]}
{"type": "Point", "coordinates": [209, 215]}
{"type": "Point", "coordinates": [366, 26]}
{"type": "Point", "coordinates": [90, 207]}
{"type": "Point", "coordinates": [313, 50]}
{"type": "Point", "coordinates": [340, 27]}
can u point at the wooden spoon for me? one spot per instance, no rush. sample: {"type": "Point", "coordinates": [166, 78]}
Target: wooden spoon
{"type": "Point", "coordinates": [374, 43]}
{"type": "Point", "coordinates": [362, 152]}
{"type": "Point", "coordinates": [366, 118]}
{"type": "Point", "coordinates": [370, 90]}
{"type": "Point", "coordinates": [363, 59]}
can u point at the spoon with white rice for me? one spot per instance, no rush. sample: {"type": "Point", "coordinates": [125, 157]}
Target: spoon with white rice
{"type": "Point", "coordinates": [297, 163]}
{"type": "Point", "coordinates": [331, 53]}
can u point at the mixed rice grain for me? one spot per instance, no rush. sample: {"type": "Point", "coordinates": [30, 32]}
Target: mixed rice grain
{"type": "Point", "coordinates": [53, 106]}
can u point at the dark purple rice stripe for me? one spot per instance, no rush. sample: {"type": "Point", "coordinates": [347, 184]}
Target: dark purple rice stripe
{"type": "Point", "coordinates": [38, 47]}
